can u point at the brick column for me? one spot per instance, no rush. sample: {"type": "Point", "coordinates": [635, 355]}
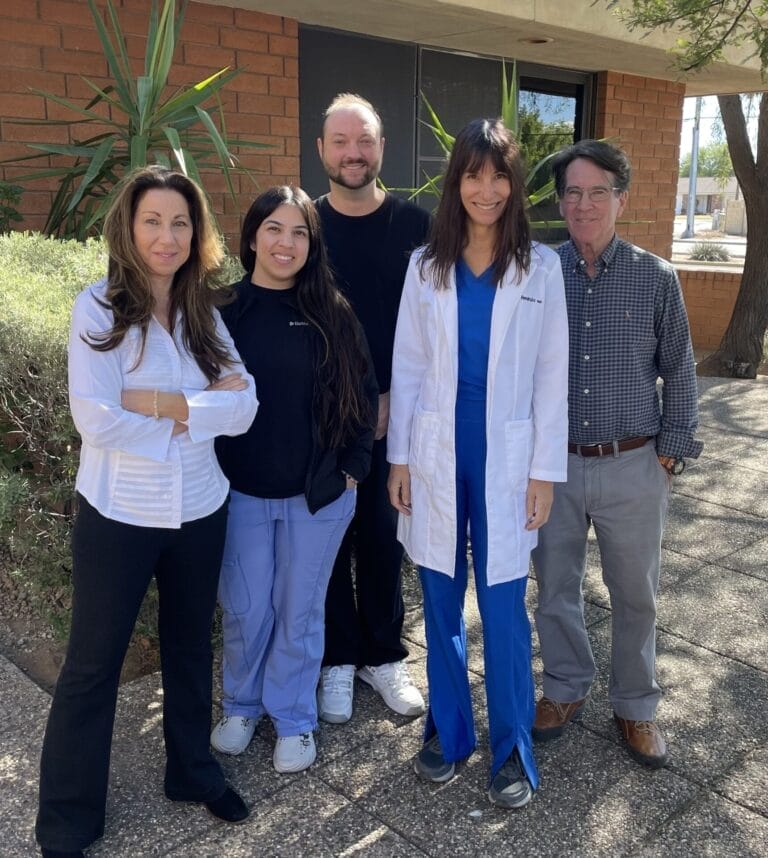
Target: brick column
{"type": "Point", "coordinates": [644, 116]}
{"type": "Point", "coordinates": [710, 295]}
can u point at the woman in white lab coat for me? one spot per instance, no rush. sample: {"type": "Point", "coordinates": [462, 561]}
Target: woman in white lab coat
{"type": "Point", "coordinates": [477, 436]}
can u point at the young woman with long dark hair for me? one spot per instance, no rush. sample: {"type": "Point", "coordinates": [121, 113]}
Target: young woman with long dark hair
{"type": "Point", "coordinates": [477, 435]}
{"type": "Point", "coordinates": [153, 377]}
{"type": "Point", "coordinates": [293, 474]}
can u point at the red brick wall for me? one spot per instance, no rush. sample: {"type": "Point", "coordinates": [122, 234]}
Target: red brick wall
{"type": "Point", "coordinates": [48, 43]}
{"type": "Point", "coordinates": [709, 298]}
{"type": "Point", "coordinates": [644, 116]}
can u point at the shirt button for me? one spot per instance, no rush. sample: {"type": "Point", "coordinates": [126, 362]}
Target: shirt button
{"type": "Point", "coordinates": [586, 390]}
{"type": "Point", "coordinates": [586, 423]}
{"type": "Point", "coordinates": [589, 291]}
{"type": "Point", "coordinates": [586, 357]}
{"type": "Point", "coordinates": [588, 324]}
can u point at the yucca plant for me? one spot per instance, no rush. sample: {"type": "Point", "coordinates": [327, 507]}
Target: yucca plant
{"type": "Point", "coordinates": [510, 116]}
{"type": "Point", "coordinates": [145, 125]}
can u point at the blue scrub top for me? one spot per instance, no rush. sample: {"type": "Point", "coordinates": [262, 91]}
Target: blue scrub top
{"type": "Point", "coordinates": [475, 300]}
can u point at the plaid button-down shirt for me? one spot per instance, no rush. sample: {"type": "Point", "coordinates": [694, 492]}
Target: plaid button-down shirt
{"type": "Point", "coordinates": [628, 328]}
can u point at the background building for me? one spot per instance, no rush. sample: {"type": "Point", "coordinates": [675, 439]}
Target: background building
{"type": "Point", "coordinates": [576, 62]}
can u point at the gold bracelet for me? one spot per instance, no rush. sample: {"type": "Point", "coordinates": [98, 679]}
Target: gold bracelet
{"type": "Point", "coordinates": [155, 412]}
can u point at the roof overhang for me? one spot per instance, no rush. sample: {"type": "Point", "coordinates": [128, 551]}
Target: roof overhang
{"type": "Point", "coordinates": [577, 34]}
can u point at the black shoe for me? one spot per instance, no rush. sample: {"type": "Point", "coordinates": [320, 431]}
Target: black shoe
{"type": "Point", "coordinates": [229, 807]}
{"type": "Point", "coordinates": [430, 765]}
{"type": "Point", "coordinates": [510, 788]}
{"type": "Point", "coordinates": [54, 853]}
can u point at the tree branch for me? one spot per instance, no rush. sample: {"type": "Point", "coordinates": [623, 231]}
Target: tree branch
{"type": "Point", "coordinates": [735, 125]}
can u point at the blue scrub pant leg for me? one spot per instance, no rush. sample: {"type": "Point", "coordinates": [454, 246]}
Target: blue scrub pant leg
{"type": "Point", "coordinates": [277, 563]}
{"type": "Point", "coordinates": [506, 629]}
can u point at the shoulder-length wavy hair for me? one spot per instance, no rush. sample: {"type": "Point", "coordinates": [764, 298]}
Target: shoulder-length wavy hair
{"type": "Point", "coordinates": [194, 289]}
{"type": "Point", "coordinates": [481, 141]}
{"type": "Point", "coordinates": [341, 361]}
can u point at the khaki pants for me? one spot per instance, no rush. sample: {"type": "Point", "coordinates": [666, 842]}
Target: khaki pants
{"type": "Point", "coordinates": [625, 498]}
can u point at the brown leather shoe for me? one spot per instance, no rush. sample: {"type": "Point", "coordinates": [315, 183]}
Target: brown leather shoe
{"type": "Point", "coordinates": [644, 741]}
{"type": "Point", "coordinates": [552, 718]}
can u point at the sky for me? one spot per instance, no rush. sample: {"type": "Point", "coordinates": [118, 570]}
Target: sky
{"type": "Point", "coordinates": [708, 125]}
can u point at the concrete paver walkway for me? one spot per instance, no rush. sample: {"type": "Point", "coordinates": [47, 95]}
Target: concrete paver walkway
{"type": "Point", "coordinates": [362, 799]}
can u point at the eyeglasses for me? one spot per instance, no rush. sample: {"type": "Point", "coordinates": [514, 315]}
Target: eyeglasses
{"type": "Point", "coordinates": [572, 196]}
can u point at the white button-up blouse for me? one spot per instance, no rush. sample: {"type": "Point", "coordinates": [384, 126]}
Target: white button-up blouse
{"type": "Point", "coordinates": [132, 468]}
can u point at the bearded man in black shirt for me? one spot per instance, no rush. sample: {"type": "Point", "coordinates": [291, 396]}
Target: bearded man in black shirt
{"type": "Point", "coordinates": [369, 235]}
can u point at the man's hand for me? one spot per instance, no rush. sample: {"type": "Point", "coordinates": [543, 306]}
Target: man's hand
{"type": "Point", "coordinates": [383, 420]}
{"type": "Point", "coordinates": [538, 503]}
{"type": "Point", "coordinates": [399, 488]}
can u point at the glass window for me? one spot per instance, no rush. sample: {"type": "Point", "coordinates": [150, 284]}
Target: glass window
{"type": "Point", "coordinates": [555, 106]}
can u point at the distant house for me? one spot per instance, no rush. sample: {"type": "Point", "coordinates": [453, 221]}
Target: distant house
{"type": "Point", "coordinates": [711, 195]}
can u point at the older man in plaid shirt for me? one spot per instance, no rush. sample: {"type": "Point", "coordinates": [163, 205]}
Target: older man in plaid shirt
{"type": "Point", "coordinates": [628, 328]}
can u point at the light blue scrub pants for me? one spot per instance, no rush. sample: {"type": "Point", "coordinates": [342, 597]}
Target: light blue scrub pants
{"type": "Point", "coordinates": [506, 628]}
{"type": "Point", "coordinates": [277, 561]}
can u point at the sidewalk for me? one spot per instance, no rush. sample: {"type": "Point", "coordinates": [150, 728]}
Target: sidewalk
{"type": "Point", "coordinates": [362, 799]}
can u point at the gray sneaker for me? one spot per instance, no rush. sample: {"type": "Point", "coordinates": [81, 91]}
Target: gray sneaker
{"type": "Point", "coordinates": [430, 764]}
{"type": "Point", "coordinates": [510, 788]}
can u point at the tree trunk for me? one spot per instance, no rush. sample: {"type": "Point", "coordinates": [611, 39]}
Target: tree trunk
{"type": "Point", "coordinates": [741, 349]}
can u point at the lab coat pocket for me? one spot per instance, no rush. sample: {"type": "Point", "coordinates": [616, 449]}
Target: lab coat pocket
{"type": "Point", "coordinates": [518, 439]}
{"type": "Point", "coordinates": [424, 443]}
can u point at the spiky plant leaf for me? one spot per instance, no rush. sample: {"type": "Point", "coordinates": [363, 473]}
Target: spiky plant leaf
{"type": "Point", "coordinates": [144, 124]}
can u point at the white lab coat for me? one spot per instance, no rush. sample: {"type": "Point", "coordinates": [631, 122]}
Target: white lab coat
{"type": "Point", "coordinates": [526, 411]}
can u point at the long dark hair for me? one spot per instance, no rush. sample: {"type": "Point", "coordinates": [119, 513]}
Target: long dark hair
{"type": "Point", "coordinates": [341, 362]}
{"type": "Point", "coordinates": [193, 292]}
{"type": "Point", "coordinates": [483, 140]}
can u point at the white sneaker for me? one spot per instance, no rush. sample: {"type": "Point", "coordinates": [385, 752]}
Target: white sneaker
{"type": "Point", "coordinates": [334, 693]}
{"type": "Point", "coordinates": [233, 734]}
{"type": "Point", "coordinates": [395, 685]}
{"type": "Point", "coordinates": [294, 753]}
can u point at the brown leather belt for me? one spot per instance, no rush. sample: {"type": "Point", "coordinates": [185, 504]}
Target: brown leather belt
{"type": "Point", "coordinates": [609, 448]}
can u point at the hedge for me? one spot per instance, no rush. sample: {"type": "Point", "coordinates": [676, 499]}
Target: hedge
{"type": "Point", "coordinates": [39, 279]}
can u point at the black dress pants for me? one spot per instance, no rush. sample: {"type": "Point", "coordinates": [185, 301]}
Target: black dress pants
{"type": "Point", "coordinates": [113, 564]}
{"type": "Point", "coordinates": [364, 613]}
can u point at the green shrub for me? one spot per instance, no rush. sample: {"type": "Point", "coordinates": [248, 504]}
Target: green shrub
{"type": "Point", "coordinates": [231, 270]}
{"type": "Point", "coordinates": [39, 278]}
{"type": "Point", "coordinates": [709, 251]}
{"type": "Point", "coordinates": [39, 446]}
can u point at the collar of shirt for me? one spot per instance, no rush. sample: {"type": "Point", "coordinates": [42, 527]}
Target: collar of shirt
{"type": "Point", "coordinates": [604, 261]}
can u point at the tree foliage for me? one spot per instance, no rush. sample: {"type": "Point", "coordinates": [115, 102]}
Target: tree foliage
{"type": "Point", "coordinates": [539, 139]}
{"type": "Point", "coordinates": [714, 160]}
{"type": "Point", "coordinates": [709, 27]}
